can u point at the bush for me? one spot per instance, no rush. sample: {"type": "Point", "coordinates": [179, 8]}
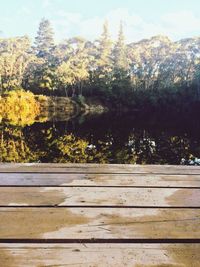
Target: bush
{"type": "Point", "coordinates": [19, 107]}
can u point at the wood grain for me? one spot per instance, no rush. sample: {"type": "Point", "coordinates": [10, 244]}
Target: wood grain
{"type": "Point", "coordinates": [99, 196]}
{"type": "Point", "coordinates": [98, 255]}
{"type": "Point", "coordinates": [92, 215]}
{"type": "Point", "coordinates": [84, 179]}
{"type": "Point", "coordinates": [83, 223]}
{"type": "Point", "coordinates": [99, 168]}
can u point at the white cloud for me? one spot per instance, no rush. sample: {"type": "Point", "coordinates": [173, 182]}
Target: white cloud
{"type": "Point", "coordinates": [71, 17]}
{"type": "Point", "coordinates": [182, 23]}
{"type": "Point", "coordinates": [67, 24]}
{"type": "Point", "coordinates": [175, 25]}
{"type": "Point", "coordinates": [46, 3]}
{"type": "Point", "coordinates": [24, 10]}
{"type": "Point", "coordinates": [180, 19]}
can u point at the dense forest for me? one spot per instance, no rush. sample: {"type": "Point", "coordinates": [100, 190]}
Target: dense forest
{"type": "Point", "coordinates": [154, 72]}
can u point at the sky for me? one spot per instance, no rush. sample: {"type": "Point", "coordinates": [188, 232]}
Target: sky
{"type": "Point", "coordinates": [141, 18]}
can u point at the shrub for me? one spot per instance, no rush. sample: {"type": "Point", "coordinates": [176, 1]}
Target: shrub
{"type": "Point", "coordinates": [19, 107]}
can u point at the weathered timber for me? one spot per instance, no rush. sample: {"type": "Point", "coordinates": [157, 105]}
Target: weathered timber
{"type": "Point", "coordinates": [91, 223]}
{"type": "Point", "coordinates": [99, 215]}
{"type": "Point", "coordinates": [96, 168]}
{"type": "Point", "coordinates": [108, 180]}
{"type": "Point", "coordinates": [98, 255]}
{"type": "Point", "coordinates": [99, 196]}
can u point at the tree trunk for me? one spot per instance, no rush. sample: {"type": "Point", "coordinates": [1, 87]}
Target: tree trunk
{"type": "Point", "coordinates": [73, 92]}
{"type": "Point", "coordinates": [66, 92]}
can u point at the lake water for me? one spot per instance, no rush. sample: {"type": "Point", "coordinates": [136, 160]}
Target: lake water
{"type": "Point", "coordinates": [108, 138]}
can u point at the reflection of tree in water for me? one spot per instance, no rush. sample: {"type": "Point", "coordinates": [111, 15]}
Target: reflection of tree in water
{"type": "Point", "coordinates": [49, 142]}
{"type": "Point", "coordinates": [103, 139]}
{"type": "Point", "coordinates": [164, 149]}
{"type": "Point", "coordinates": [14, 148]}
{"type": "Point", "coordinates": [64, 147]}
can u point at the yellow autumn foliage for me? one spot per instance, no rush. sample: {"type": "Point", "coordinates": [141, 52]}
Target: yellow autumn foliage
{"type": "Point", "coordinates": [19, 108]}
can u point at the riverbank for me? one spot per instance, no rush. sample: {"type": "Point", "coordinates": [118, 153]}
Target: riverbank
{"type": "Point", "coordinates": [63, 107]}
{"type": "Point", "coordinates": [21, 107]}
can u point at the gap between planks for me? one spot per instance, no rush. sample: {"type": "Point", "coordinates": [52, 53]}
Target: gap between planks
{"type": "Point", "coordinates": [100, 241]}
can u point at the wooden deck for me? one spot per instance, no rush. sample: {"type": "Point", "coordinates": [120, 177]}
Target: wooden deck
{"type": "Point", "coordinates": [91, 215]}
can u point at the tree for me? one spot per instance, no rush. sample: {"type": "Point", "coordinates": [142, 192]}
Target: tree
{"type": "Point", "coordinates": [44, 41]}
{"type": "Point", "coordinates": [121, 79]}
{"type": "Point", "coordinates": [14, 58]}
{"type": "Point", "coordinates": [39, 76]}
{"type": "Point", "coordinates": [65, 76]}
{"type": "Point", "coordinates": [102, 74]}
{"type": "Point", "coordinates": [146, 60]}
{"type": "Point", "coordinates": [119, 52]}
{"type": "Point", "coordinates": [41, 71]}
{"type": "Point", "coordinates": [75, 69]}
{"type": "Point", "coordinates": [104, 60]}
{"type": "Point", "coordinates": [197, 80]}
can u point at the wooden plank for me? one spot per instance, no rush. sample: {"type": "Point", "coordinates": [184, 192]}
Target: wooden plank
{"type": "Point", "coordinates": [62, 179]}
{"type": "Point", "coordinates": [91, 223]}
{"type": "Point", "coordinates": [98, 168]}
{"type": "Point", "coordinates": [95, 165]}
{"type": "Point", "coordinates": [98, 255]}
{"type": "Point", "coordinates": [88, 196]}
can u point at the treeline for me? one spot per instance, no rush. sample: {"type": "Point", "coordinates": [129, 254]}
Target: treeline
{"type": "Point", "coordinates": [154, 72]}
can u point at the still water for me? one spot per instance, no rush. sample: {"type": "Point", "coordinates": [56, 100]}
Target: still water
{"type": "Point", "coordinates": [108, 138]}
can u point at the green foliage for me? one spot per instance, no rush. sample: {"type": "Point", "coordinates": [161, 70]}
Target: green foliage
{"type": "Point", "coordinates": [79, 99]}
{"type": "Point", "coordinates": [104, 50]}
{"type": "Point", "coordinates": [14, 59]}
{"type": "Point", "coordinates": [44, 41]}
{"type": "Point", "coordinates": [120, 51]}
{"type": "Point", "coordinates": [151, 73]}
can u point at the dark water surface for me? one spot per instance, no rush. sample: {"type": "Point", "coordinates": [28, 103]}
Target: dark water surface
{"type": "Point", "coordinates": [108, 138]}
